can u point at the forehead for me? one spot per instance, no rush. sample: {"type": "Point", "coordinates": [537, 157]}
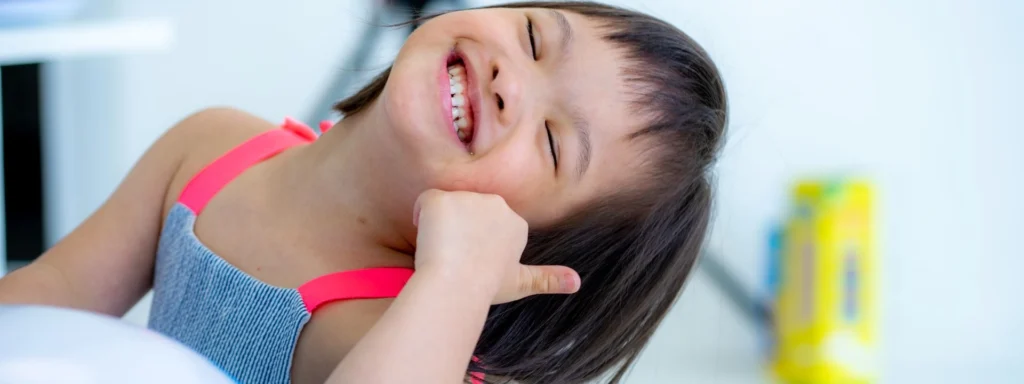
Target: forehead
{"type": "Point", "coordinates": [593, 71]}
{"type": "Point", "coordinates": [593, 82]}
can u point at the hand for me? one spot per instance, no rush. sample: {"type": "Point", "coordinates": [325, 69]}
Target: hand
{"type": "Point", "coordinates": [478, 239]}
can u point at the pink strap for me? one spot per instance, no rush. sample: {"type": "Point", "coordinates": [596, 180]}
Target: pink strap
{"type": "Point", "coordinates": [220, 172]}
{"type": "Point", "coordinates": [371, 283]}
{"type": "Point", "coordinates": [325, 126]}
{"type": "Point", "coordinates": [476, 377]}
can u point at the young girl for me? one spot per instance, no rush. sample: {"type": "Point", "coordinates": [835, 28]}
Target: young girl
{"type": "Point", "coordinates": [277, 252]}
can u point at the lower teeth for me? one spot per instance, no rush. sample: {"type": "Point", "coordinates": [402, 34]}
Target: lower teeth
{"type": "Point", "coordinates": [461, 133]}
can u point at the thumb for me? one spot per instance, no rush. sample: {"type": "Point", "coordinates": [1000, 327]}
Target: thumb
{"type": "Point", "coordinates": [547, 279]}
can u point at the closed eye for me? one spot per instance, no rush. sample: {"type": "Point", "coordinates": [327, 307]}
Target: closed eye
{"type": "Point", "coordinates": [533, 44]}
{"type": "Point", "coordinates": [551, 145]}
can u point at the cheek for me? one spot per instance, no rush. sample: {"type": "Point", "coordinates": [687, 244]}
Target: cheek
{"type": "Point", "coordinates": [513, 178]}
{"type": "Point", "coordinates": [409, 113]}
{"type": "Point", "coordinates": [513, 181]}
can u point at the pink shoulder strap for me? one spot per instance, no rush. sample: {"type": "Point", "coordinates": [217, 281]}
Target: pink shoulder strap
{"type": "Point", "coordinates": [220, 172]}
{"type": "Point", "coordinates": [371, 283]}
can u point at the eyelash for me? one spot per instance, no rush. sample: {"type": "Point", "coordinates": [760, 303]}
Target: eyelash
{"type": "Point", "coordinates": [529, 31]}
{"type": "Point", "coordinates": [551, 145]}
{"type": "Point", "coordinates": [533, 52]}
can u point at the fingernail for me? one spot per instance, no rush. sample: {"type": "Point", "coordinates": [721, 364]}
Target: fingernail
{"type": "Point", "coordinates": [570, 282]}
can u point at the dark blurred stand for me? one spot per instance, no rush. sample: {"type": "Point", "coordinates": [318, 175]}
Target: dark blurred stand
{"type": "Point", "coordinates": [754, 308]}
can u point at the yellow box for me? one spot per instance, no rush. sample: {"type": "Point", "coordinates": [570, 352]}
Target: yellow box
{"type": "Point", "coordinates": [826, 310]}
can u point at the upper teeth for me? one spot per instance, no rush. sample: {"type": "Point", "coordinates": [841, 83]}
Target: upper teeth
{"type": "Point", "coordinates": [460, 119]}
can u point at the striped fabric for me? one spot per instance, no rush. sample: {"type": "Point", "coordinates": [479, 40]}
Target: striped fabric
{"type": "Point", "coordinates": [246, 327]}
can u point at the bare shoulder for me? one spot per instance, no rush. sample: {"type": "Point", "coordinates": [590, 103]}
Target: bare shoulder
{"type": "Point", "coordinates": [204, 136]}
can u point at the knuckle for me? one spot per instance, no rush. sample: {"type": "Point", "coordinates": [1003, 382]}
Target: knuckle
{"type": "Point", "coordinates": [544, 283]}
{"type": "Point", "coordinates": [520, 221]}
{"type": "Point", "coordinates": [432, 196]}
{"type": "Point", "coordinates": [493, 200]}
{"type": "Point", "coordinates": [525, 281]}
{"type": "Point", "coordinates": [445, 198]}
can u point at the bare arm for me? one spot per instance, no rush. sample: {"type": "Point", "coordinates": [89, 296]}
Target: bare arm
{"type": "Point", "coordinates": [106, 264]}
{"type": "Point", "coordinates": [427, 335]}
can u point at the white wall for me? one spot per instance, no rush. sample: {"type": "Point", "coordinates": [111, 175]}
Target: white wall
{"type": "Point", "coordinates": [919, 95]}
{"type": "Point", "coordinates": [267, 57]}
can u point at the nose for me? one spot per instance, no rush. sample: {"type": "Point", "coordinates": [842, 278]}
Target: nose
{"type": "Point", "coordinates": [507, 89]}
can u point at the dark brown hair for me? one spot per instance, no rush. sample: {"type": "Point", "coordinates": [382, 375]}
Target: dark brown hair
{"type": "Point", "coordinates": [633, 249]}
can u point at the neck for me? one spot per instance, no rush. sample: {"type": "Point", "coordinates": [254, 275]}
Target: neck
{"type": "Point", "coordinates": [334, 191]}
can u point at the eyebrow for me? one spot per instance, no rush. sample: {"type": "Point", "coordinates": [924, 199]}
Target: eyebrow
{"type": "Point", "coordinates": [579, 121]}
{"type": "Point", "coordinates": [565, 28]}
{"type": "Point", "coordinates": [582, 127]}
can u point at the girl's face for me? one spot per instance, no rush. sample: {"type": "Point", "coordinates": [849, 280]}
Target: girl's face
{"type": "Point", "coordinates": [543, 107]}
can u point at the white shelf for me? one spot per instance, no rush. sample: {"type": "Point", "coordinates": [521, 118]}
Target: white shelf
{"type": "Point", "coordinates": [19, 45]}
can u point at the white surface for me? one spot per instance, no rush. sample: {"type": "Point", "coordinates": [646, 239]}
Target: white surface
{"type": "Point", "coordinates": [43, 43]}
{"type": "Point", "coordinates": [51, 345]}
{"type": "Point", "coordinates": [920, 95]}
{"type": "Point", "coordinates": [139, 314]}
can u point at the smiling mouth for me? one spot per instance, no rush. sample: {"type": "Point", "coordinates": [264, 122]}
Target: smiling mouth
{"type": "Point", "coordinates": [462, 113]}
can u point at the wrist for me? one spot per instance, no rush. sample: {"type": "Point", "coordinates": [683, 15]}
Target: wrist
{"type": "Point", "coordinates": [462, 280]}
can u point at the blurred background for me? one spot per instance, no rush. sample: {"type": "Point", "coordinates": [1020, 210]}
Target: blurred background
{"type": "Point", "coordinates": [918, 100]}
